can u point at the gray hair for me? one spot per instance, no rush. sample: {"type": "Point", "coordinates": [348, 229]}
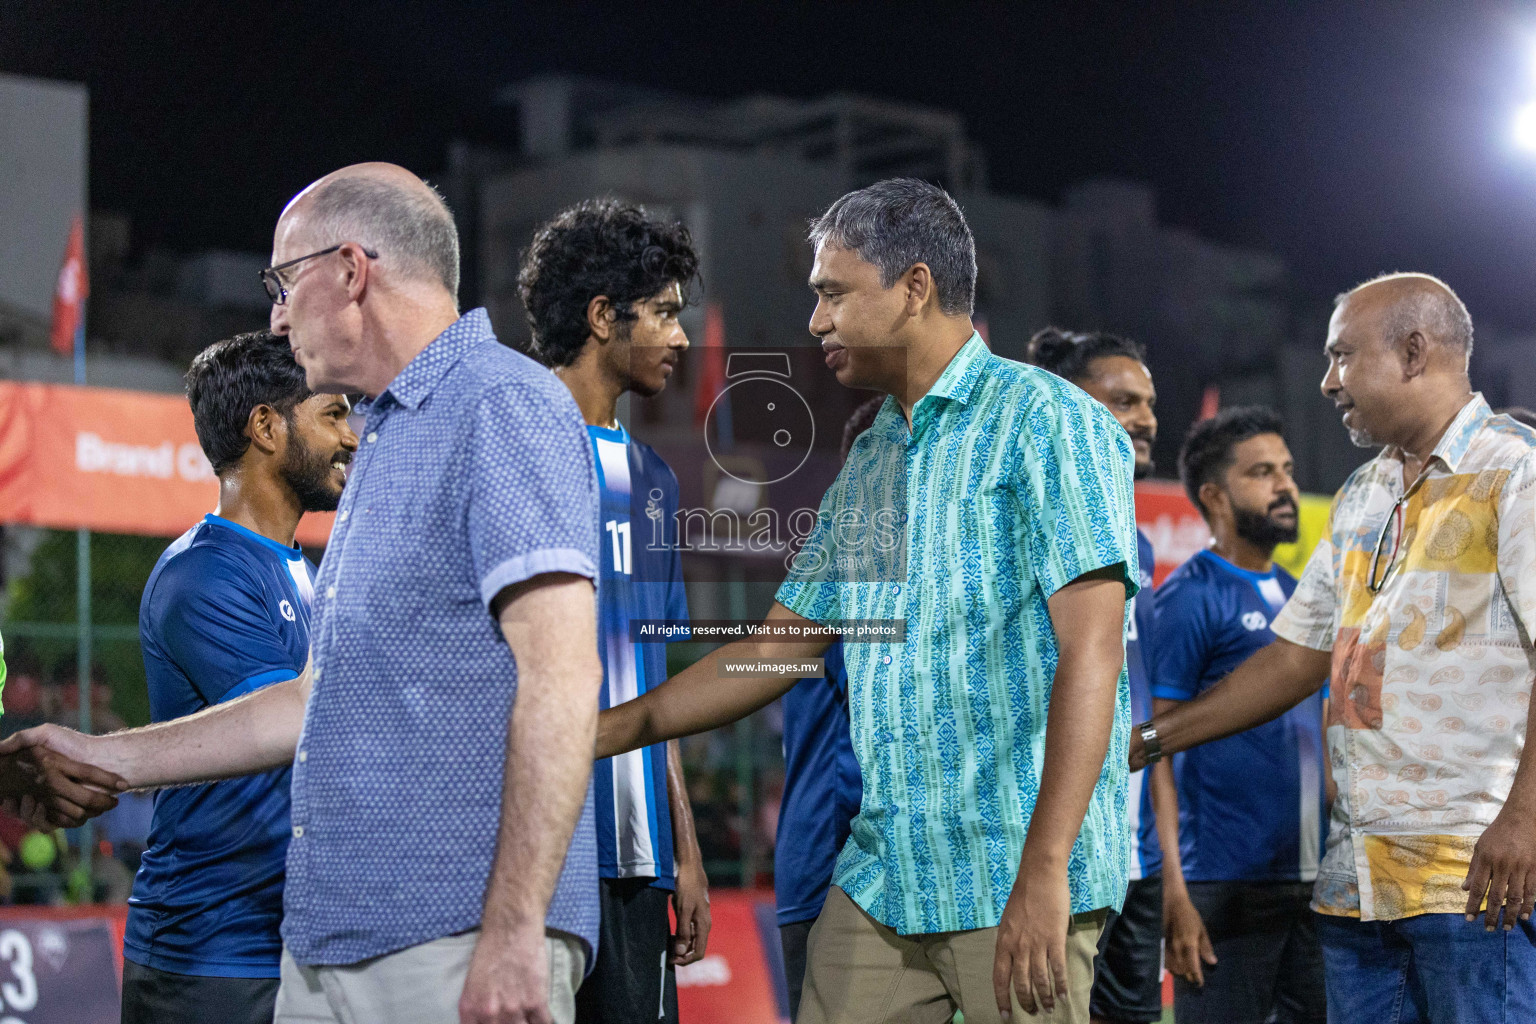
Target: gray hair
{"type": "Point", "coordinates": [1430, 307]}
{"type": "Point", "coordinates": [412, 229]}
{"type": "Point", "coordinates": [900, 222]}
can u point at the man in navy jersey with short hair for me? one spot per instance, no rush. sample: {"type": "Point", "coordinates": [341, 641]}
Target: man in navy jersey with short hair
{"type": "Point", "coordinates": [226, 612]}
{"type": "Point", "coordinates": [1127, 981]}
{"type": "Point", "coordinates": [603, 285]}
{"type": "Point", "coordinates": [1252, 806]}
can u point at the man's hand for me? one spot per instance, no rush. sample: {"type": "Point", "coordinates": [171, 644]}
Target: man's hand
{"type": "Point", "coordinates": [1137, 755]}
{"type": "Point", "coordinates": [508, 981]}
{"type": "Point", "coordinates": [44, 770]}
{"type": "Point", "coordinates": [1188, 944]}
{"type": "Point", "coordinates": [1504, 868]}
{"type": "Point", "coordinates": [1031, 958]}
{"type": "Point", "coordinates": [691, 902]}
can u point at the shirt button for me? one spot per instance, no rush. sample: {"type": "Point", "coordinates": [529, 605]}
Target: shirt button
{"type": "Point", "coordinates": [315, 675]}
{"type": "Point", "coordinates": [344, 514]}
{"type": "Point", "coordinates": [373, 435]}
{"type": "Point", "coordinates": [903, 517]}
{"type": "Point", "coordinates": [298, 831]}
{"type": "Point", "coordinates": [303, 756]}
{"type": "Point", "coordinates": [886, 660]}
{"type": "Point", "coordinates": [897, 590]}
{"type": "Point", "coordinates": [330, 591]}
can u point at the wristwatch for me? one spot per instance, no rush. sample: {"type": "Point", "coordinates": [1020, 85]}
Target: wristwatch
{"type": "Point", "coordinates": [1151, 746]}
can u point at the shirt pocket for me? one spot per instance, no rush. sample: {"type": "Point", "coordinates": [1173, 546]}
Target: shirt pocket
{"type": "Point", "coordinates": [983, 556]}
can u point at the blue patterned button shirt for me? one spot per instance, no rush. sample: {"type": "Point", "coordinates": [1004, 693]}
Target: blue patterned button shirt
{"type": "Point", "coordinates": [1012, 483]}
{"type": "Point", "coordinates": [474, 473]}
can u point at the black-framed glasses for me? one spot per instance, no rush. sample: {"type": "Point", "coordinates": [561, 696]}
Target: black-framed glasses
{"type": "Point", "coordinates": [272, 280]}
{"type": "Point", "coordinates": [1393, 522]}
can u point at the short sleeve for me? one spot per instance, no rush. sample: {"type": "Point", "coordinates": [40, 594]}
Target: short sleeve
{"type": "Point", "coordinates": [1309, 617]}
{"type": "Point", "coordinates": [1182, 642]}
{"type": "Point", "coordinates": [214, 621]}
{"type": "Point", "coordinates": [1074, 477]}
{"type": "Point", "coordinates": [1517, 540]}
{"type": "Point", "coordinates": [533, 492]}
{"type": "Point", "coordinates": [811, 590]}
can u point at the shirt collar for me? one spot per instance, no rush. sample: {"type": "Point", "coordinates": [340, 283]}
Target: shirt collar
{"type": "Point", "coordinates": [959, 378]}
{"type": "Point", "coordinates": [294, 553]}
{"type": "Point", "coordinates": [1457, 439]}
{"type": "Point", "coordinates": [956, 384]}
{"type": "Point", "coordinates": [423, 373]}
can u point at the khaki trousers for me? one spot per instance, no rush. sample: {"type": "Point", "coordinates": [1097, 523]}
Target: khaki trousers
{"type": "Point", "coordinates": [858, 970]}
{"type": "Point", "coordinates": [417, 985]}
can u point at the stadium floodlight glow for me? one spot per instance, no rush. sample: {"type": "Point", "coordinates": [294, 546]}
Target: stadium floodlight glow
{"type": "Point", "coordinates": [1525, 127]}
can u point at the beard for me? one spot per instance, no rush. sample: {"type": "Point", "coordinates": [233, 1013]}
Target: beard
{"type": "Point", "coordinates": [1262, 529]}
{"type": "Point", "coordinates": [308, 472]}
{"type": "Point", "coordinates": [1360, 437]}
{"type": "Point", "coordinates": [1142, 470]}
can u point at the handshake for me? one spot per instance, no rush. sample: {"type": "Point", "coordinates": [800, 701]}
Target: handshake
{"type": "Point", "coordinates": [45, 779]}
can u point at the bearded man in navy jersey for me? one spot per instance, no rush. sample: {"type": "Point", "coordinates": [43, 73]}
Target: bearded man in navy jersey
{"type": "Point", "coordinates": [226, 612]}
{"type": "Point", "coordinates": [1252, 807]}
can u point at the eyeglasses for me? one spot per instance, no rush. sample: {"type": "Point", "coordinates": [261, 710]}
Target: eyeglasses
{"type": "Point", "coordinates": [272, 280]}
{"type": "Point", "coordinates": [1393, 522]}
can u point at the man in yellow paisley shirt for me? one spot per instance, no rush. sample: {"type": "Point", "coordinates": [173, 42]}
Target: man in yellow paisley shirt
{"type": "Point", "coordinates": [1419, 603]}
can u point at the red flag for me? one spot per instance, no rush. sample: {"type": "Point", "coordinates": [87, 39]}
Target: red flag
{"type": "Point", "coordinates": [69, 296]}
{"type": "Point", "coordinates": [712, 368]}
{"type": "Point", "coordinates": [1210, 403]}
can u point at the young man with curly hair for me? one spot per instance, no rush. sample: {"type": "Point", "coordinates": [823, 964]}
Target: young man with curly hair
{"type": "Point", "coordinates": [603, 284]}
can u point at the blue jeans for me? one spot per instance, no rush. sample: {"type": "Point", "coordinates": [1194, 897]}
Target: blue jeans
{"type": "Point", "coordinates": [1430, 969]}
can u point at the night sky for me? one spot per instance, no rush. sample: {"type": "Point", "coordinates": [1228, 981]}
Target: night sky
{"type": "Point", "coordinates": [1350, 138]}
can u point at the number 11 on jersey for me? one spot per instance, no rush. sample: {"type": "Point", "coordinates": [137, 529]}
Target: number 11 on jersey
{"type": "Point", "coordinates": [619, 532]}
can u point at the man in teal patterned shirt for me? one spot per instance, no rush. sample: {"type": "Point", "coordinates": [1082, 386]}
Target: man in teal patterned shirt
{"type": "Point", "coordinates": [992, 837]}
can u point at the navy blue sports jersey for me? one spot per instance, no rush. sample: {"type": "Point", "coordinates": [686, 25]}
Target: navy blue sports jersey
{"type": "Point", "coordinates": [822, 790]}
{"type": "Point", "coordinates": [225, 612]}
{"type": "Point", "coordinates": [1139, 637]}
{"type": "Point", "coordinates": [1251, 806]}
{"type": "Point", "coordinates": [642, 578]}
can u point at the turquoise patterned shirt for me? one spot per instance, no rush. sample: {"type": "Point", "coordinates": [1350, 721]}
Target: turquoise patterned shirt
{"type": "Point", "coordinates": [1011, 484]}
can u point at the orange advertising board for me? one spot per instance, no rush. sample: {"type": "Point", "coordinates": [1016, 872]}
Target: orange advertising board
{"type": "Point", "coordinates": [129, 462]}
{"type": "Point", "coordinates": [107, 460]}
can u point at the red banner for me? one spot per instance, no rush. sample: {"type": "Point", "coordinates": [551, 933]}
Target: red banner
{"type": "Point", "coordinates": [1171, 522]}
{"type": "Point", "coordinates": [107, 460]}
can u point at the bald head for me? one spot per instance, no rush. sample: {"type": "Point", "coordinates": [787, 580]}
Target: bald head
{"type": "Point", "coordinates": [1407, 303]}
{"type": "Point", "coordinates": [381, 207]}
